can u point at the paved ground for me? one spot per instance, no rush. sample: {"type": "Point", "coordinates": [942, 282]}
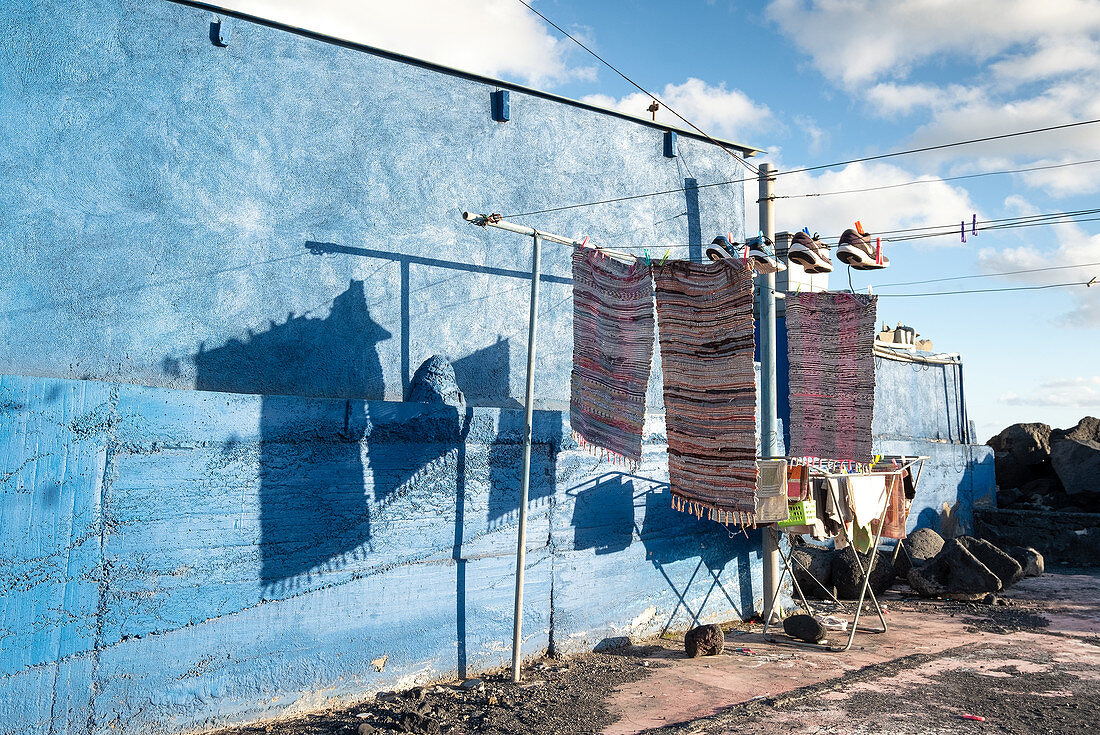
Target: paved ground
{"type": "Point", "coordinates": [1030, 666]}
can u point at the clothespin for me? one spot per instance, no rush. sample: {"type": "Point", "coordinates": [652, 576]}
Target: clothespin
{"type": "Point", "coordinates": [859, 227]}
{"type": "Point", "coordinates": [646, 251]}
{"type": "Point", "coordinates": [878, 250]}
{"type": "Point", "coordinates": [806, 230]}
{"type": "Point", "coordinates": [667, 253]}
{"type": "Point", "coordinates": [584, 241]}
{"type": "Point", "coordinates": [1089, 284]}
{"type": "Point", "coordinates": [974, 226]}
{"type": "Point", "coordinates": [962, 230]}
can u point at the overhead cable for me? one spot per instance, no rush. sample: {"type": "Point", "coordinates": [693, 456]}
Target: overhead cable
{"type": "Point", "coordinates": [987, 275]}
{"type": "Point", "coordinates": [807, 168]}
{"type": "Point", "coordinates": [653, 97]}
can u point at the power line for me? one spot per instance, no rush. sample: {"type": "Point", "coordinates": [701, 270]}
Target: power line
{"type": "Point", "coordinates": [990, 290]}
{"type": "Point", "coordinates": [987, 275]}
{"type": "Point", "coordinates": [653, 97]}
{"type": "Point", "coordinates": [804, 169]}
{"type": "Point", "coordinates": [938, 180]}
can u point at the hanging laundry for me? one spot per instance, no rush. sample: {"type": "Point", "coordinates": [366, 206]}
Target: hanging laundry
{"type": "Point", "coordinates": [867, 499]}
{"type": "Point", "coordinates": [897, 509]}
{"type": "Point", "coordinates": [705, 330]}
{"type": "Point", "coordinates": [612, 352]}
{"type": "Point", "coordinates": [830, 342]}
{"type": "Point", "coordinates": [771, 491]}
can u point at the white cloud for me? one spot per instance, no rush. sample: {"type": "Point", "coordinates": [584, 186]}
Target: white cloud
{"type": "Point", "coordinates": [497, 38]}
{"type": "Point", "coordinates": [1019, 64]}
{"type": "Point", "coordinates": [921, 205]}
{"type": "Point", "coordinates": [857, 41]}
{"type": "Point", "coordinates": [725, 113]}
{"type": "Point", "coordinates": [1072, 247]}
{"type": "Point", "coordinates": [1069, 392]}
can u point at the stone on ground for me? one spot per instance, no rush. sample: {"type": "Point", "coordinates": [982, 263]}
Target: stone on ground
{"type": "Point", "coordinates": [1075, 455]}
{"type": "Point", "coordinates": [705, 640]}
{"type": "Point", "coordinates": [1030, 560]}
{"type": "Point", "coordinates": [812, 565]}
{"type": "Point", "coordinates": [1007, 569]}
{"type": "Point", "coordinates": [848, 580]}
{"type": "Point", "coordinates": [916, 549]}
{"type": "Point", "coordinates": [804, 627]}
{"type": "Point", "coordinates": [954, 572]}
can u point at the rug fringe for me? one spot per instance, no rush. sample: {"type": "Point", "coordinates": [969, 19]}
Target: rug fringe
{"type": "Point", "coordinates": [606, 455]}
{"type": "Point", "coordinates": [712, 512]}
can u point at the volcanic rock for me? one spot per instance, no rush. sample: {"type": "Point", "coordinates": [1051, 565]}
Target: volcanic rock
{"type": "Point", "coordinates": [812, 567]}
{"type": "Point", "coordinates": [435, 382]}
{"type": "Point", "coordinates": [804, 627]}
{"type": "Point", "coordinates": [916, 549]}
{"type": "Point", "coordinates": [849, 581]}
{"type": "Point", "coordinates": [1075, 455]}
{"type": "Point", "coordinates": [705, 640]}
{"type": "Point", "coordinates": [1030, 560]}
{"type": "Point", "coordinates": [1007, 569]}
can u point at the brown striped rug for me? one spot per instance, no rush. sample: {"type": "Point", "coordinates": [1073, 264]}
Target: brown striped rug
{"type": "Point", "coordinates": [612, 352]}
{"type": "Point", "coordinates": [830, 343]}
{"type": "Point", "coordinates": [704, 315]}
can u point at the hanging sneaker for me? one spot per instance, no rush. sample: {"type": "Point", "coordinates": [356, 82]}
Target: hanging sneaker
{"type": "Point", "coordinates": [762, 257]}
{"type": "Point", "coordinates": [857, 251]}
{"type": "Point", "coordinates": [810, 253]}
{"type": "Point", "coordinates": [720, 248]}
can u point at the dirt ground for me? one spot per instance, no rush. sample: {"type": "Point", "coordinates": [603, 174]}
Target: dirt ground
{"type": "Point", "coordinates": [1029, 663]}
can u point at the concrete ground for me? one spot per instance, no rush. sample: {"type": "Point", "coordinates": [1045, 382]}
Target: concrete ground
{"type": "Point", "coordinates": [1031, 665]}
{"type": "Point", "coordinates": [939, 661]}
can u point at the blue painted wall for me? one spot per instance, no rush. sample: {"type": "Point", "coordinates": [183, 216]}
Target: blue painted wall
{"type": "Point", "coordinates": [276, 223]}
{"type": "Point", "coordinates": [180, 559]}
{"type": "Point", "coordinates": [181, 213]}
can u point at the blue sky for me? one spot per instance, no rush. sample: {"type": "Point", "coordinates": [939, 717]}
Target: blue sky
{"type": "Point", "coordinates": [814, 82]}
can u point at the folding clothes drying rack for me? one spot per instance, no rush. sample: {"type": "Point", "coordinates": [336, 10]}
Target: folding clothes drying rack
{"type": "Point", "coordinates": [829, 469]}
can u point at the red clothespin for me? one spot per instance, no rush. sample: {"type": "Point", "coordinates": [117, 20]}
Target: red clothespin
{"type": "Point", "coordinates": [878, 250]}
{"type": "Point", "coordinates": [584, 241]}
{"type": "Point", "coordinates": [962, 230]}
{"type": "Point", "coordinates": [859, 227]}
{"type": "Point", "coordinates": [974, 226]}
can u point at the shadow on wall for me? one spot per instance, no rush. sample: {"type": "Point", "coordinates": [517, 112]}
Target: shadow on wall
{"type": "Point", "coordinates": [605, 520]}
{"type": "Point", "coordinates": [314, 508]}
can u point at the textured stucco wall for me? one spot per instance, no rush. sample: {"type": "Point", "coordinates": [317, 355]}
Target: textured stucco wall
{"type": "Point", "coordinates": [185, 215]}
{"type": "Point", "coordinates": [176, 559]}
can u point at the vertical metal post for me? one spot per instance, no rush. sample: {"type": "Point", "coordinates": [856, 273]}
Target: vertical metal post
{"type": "Point", "coordinates": [525, 479]}
{"type": "Point", "coordinates": [769, 423]}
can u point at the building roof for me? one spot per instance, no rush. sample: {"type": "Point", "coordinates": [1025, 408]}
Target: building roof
{"type": "Point", "coordinates": [745, 150]}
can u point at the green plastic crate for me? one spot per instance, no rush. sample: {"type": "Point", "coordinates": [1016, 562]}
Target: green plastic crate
{"type": "Point", "coordinates": [800, 513]}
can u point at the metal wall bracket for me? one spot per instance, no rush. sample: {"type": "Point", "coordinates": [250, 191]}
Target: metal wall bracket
{"type": "Point", "coordinates": [501, 106]}
{"type": "Point", "coordinates": [220, 32]}
{"type": "Point", "coordinates": [671, 151]}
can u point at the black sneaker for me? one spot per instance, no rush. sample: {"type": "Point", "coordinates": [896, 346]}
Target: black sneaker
{"type": "Point", "coordinates": [855, 249]}
{"type": "Point", "coordinates": [810, 253]}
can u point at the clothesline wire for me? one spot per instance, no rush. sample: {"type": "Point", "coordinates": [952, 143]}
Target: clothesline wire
{"type": "Point", "coordinates": [1091, 282]}
{"type": "Point", "coordinates": [637, 86]}
{"type": "Point", "coordinates": [805, 169]}
{"type": "Point", "coordinates": [952, 230]}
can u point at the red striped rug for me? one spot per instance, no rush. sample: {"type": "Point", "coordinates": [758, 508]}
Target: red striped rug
{"type": "Point", "coordinates": [704, 314]}
{"type": "Point", "coordinates": [612, 353]}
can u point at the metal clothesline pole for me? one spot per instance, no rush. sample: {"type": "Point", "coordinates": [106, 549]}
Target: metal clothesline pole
{"type": "Point", "coordinates": [769, 420]}
{"type": "Point", "coordinates": [529, 406]}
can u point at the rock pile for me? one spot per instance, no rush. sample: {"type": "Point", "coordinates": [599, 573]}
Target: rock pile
{"type": "Point", "coordinates": [964, 568]}
{"type": "Point", "coordinates": [1039, 468]}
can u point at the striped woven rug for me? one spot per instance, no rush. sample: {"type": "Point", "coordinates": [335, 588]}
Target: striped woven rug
{"type": "Point", "coordinates": [830, 342]}
{"type": "Point", "coordinates": [612, 352]}
{"type": "Point", "coordinates": [704, 313]}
